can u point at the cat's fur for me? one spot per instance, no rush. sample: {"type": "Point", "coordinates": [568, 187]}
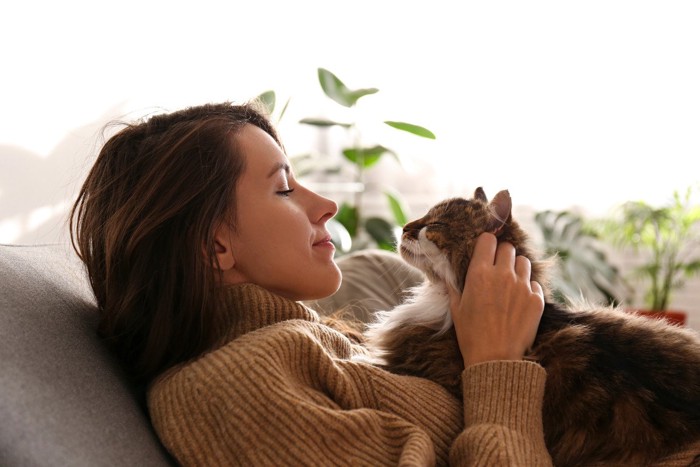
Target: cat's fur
{"type": "Point", "coordinates": [620, 388]}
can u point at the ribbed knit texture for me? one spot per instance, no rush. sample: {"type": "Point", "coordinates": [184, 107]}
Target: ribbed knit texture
{"type": "Point", "coordinates": [284, 389]}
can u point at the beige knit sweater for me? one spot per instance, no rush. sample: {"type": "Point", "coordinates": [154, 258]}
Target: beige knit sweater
{"type": "Point", "coordinates": [287, 390]}
{"type": "Point", "coordinates": [284, 389]}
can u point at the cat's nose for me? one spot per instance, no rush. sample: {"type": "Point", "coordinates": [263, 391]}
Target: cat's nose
{"type": "Point", "coordinates": [410, 231]}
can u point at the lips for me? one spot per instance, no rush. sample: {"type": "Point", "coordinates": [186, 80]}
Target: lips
{"type": "Point", "coordinates": [324, 240]}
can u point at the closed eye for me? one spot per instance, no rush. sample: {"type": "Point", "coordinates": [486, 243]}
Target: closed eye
{"type": "Point", "coordinates": [285, 192]}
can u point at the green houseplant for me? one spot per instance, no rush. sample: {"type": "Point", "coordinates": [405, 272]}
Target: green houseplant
{"type": "Point", "coordinates": [583, 269]}
{"type": "Point", "coordinates": [668, 237]}
{"type": "Point", "coordinates": [364, 230]}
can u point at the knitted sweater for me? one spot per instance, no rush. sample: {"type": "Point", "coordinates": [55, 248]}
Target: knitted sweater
{"type": "Point", "coordinates": [285, 389]}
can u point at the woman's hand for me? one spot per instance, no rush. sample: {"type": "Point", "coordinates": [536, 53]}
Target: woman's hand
{"type": "Point", "coordinates": [497, 316]}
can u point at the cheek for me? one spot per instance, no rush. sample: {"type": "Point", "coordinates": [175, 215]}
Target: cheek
{"type": "Point", "coordinates": [274, 219]}
{"type": "Point", "coordinates": [285, 232]}
{"type": "Point", "coordinates": [256, 238]}
{"type": "Point", "coordinates": [272, 228]}
{"type": "Point", "coordinates": [289, 224]}
{"type": "Point", "coordinates": [430, 240]}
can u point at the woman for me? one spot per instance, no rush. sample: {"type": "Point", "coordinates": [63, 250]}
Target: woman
{"type": "Point", "coordinates": [200, 244]}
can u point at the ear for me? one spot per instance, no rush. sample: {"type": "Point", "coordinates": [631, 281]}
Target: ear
{"type": "Point", "coordinates": [480, 195]}
{"type": "Point", "coordinates": [222, 248]}
{"type": "Point", "coordinates": [500, 208]}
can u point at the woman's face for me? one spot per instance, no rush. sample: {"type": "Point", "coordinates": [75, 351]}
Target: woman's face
{"type": "Point", "coordinates": [280, 241]}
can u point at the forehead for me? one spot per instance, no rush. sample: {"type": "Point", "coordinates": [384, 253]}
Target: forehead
{"type": "Point", "coordinates": [455, 204]}
{"type": "Point", "coordinates": [260, 150]}
{"type": "Point", "coordinates": [465, 212]}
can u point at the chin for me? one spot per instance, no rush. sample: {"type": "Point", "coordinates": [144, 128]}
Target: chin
{"type": "Point", "coordinates": [315, 285]}
{"type": "Point", "coordinates": [326, 283]}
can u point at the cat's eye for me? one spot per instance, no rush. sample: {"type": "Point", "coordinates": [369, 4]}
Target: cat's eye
{"type": "Point", "coordinates": [437, 224]}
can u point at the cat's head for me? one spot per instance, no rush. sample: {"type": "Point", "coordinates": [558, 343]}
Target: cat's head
{"type": "Point", "coordinates": [441, 243]}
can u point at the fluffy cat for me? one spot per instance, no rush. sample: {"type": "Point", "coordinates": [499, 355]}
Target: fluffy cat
{"type": "Point", "coordinates": [620, 388]}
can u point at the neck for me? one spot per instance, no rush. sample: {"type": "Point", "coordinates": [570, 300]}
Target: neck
{"type": "Point", "coordinates": [252, 307]}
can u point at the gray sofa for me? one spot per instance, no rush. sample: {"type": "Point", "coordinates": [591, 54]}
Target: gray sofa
{"type": "Point", "coordinates": [63, 399]}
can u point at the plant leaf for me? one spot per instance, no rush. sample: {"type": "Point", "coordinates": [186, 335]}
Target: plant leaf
{"type": "Point", "coordinates": [411, 128]}
{"type": "Point", "coordinates": [284, 109]}
{"type": "Point", "coordinates": [397, 208]}
{"type": "Point", "coordinates": [381, 232]}
{"type": "Point", "coordinates": [267, 99]}
{"type": "Point", "coordinates": [356, 94]}
{"type": "Point", "coordinates": [322, 122]}
{"type": "Point", "coordinates": [583, 267]}
{"type": "Point", "coordinates": [691, 268]}
{"type": "Point", "coordinates": [339, 236]}
{"type": "Point", "coordinates": [334, 88]}
{"type": "Point", "coordinates": [347, 216]}
{"type": "Point", "coordinates": [365, 157]}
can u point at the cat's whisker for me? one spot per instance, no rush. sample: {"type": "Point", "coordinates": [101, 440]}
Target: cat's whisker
{"type": "Point", "coordinates": [410, 251]}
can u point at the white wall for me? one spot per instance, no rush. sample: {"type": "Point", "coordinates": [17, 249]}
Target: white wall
{"type": "Point", "coordinates": [564, 103]}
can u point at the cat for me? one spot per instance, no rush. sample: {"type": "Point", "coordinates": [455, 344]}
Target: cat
{"type": "Point", "coordinates": [620, 388]}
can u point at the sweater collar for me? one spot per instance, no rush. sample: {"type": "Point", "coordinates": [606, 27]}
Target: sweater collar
{"type": "Point", "coordinates": [252, 307]}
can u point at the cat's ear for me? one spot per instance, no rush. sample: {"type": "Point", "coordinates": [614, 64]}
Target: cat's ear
{"type": "Point", "coordinates": [480, 194]}
{"type": "Point", "coordinates": [500, 209]}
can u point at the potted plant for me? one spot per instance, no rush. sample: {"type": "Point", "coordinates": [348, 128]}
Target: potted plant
{"type": "Point", "coordinates": [351, 229]}
{"type": "Point", "coordinates": [365, 231]}
{"type": "Point", "coordinates": [668, 237]}
{"type": "Point", "coordinates": [583, 269]}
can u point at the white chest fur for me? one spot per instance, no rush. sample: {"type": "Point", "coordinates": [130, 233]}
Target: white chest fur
{"type": "Point", "coordinates": [428, 305]}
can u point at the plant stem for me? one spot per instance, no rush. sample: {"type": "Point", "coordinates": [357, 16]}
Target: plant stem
{"type": "Point", "coordinates": [359, 177]}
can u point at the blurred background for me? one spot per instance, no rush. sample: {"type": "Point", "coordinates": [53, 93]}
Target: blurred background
{"type": "Point", "coordinates": [569, 105]}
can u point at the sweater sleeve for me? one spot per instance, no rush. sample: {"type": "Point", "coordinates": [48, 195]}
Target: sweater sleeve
{"type": "Point", "coordinates": [502, 416]}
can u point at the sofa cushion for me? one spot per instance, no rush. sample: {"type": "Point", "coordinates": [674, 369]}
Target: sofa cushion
{"type": "Point", "coordinates": [372, 280]}
{"type": "Point", "coordinates": [63, 399]}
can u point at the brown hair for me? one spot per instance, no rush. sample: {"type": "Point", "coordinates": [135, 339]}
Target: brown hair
{"type": "Point", "coordinates": [143, 224]}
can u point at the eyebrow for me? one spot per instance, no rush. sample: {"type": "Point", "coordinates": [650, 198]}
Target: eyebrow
{"type": "Point", "coordinates": [278, 167]}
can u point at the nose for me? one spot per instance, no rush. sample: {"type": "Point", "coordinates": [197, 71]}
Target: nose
{"type": "Point", "coordinates": [323, 208]}
{"type": "Point", "coordinates": [411, 230]}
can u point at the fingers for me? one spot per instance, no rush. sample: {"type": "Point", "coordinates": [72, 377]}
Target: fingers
{"type": "Point", "coordinates": [488, 251]}
{"type": "Point", "coordinates": [522, 267]}
{"type": "Point", "coordinates": [537, 289]}
{"type": "Point", "coordinates": [499, 312]}
{"type": "Point", "coordinates": [505, 256]}
{"type": "Point", "coordinates": [485, 248]}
